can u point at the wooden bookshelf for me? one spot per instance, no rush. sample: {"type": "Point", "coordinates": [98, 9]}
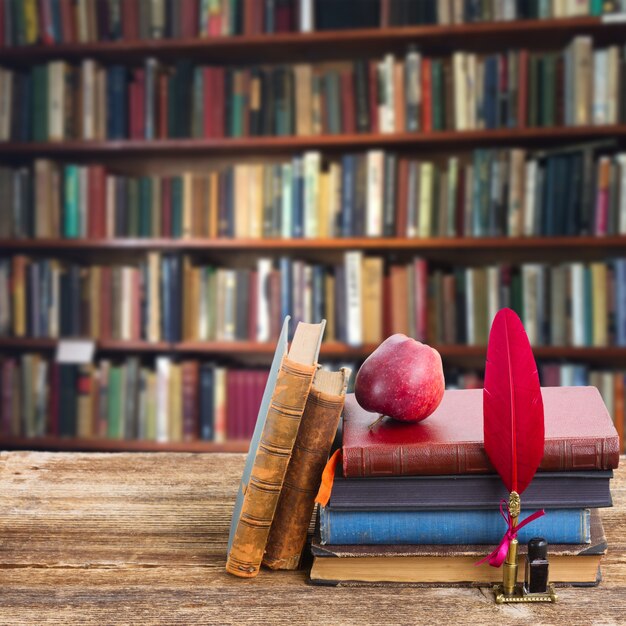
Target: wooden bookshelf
{"type": "Point", "coordinates": [445, 139]}
{"type": "Point", "coordinates": [454, 353]}
{"type": "Point", "coordinates": [468, 244]}
{"type": "Point", "coordinates": [433, 40]}
{"type": "Point", "coordinates": [78, 444]}
{"type": "Point", "coordinates": [481, 36]}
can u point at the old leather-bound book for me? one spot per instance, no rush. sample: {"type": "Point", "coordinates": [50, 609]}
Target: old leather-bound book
{"type": "Point", "coordinates": [271, 447]}
{"type": "Point", "coordinates": [580, 435]}
{"type": "Point", "coordinates": [302, 481]}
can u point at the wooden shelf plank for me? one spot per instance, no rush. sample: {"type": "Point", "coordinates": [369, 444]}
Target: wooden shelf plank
{"type": "Point", "coordinates": [118, 445]}
{"type": "Point", "coordinates": [326, 44]}
{"type": "Point", "coordinates": [457, 353]}
{"type": "Point", "coordinates": [470, 244]}
{"type": "Point", "coordinates": [251, 145]}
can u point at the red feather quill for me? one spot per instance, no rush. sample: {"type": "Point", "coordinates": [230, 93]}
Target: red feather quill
{"type": "Point", "coordinates": [512, 403]}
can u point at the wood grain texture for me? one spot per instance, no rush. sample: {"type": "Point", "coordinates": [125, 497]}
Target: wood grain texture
{"type": "Point", "coordinates": [141, 538]}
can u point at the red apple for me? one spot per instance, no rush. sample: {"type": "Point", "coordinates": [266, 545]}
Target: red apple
{"type": "Point", "coordinates": [402, 378]}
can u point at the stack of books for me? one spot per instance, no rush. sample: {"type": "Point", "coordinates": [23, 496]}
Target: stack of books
{"type": "Point", "coordinates": [419, 503]}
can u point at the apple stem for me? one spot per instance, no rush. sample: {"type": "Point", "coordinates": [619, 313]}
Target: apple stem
{"type": "Point", "coordinates": [381, 417]}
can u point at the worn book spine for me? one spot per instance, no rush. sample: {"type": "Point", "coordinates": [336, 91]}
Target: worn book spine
{"type": "Point", "coordinates": [302, 480]}
{"type": "Point", "coordinates": [270, 465]}
{"type": "Point", "coordinates": [564, 526]}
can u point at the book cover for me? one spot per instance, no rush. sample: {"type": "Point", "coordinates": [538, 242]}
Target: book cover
{"type": "Point", "coordinates": [579, 436]}
{"type": "Point", "coordinates": [469, 526]}
{"type": "Point", "coordinates": [304, 473]}
{"type": "Point", "coordinates": [271, 447]}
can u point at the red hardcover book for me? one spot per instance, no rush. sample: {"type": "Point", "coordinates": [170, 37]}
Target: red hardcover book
{"type": "Point", "coordinates": [53, 401]}
{"type": "Point", "coordinates": [249, 16]}
{"type": "Point", "coordinates": [6, 389]}
{"type": "Point", "coordinates": [579, 435]}
{"type": "Point", "coordinates": [162, 108]}
{"type": "Point", "coordinates": [217, 102]}
{"type": "Point", "coordinates": [402, 197]}
{"type": "Point", "coordinates": [232, 404]}
{"type": "Point", "coordinates": [68, 21]}
{"type": "Point", "coordinates": [208, 89]}
{"type": "Point", "coordinates": [190, 383]}
{"type": "Point", "coordinates": [373, 72]}
{"type": "Point", "coordinates": [427, 96]}
{"type": "Point", "coordinates": [46, 30]}
{"type": "Point", "coordinates": [348, 105]}
{"type": "Point", "coordinates": [215, 24]}
{"type": "Point", "coordinates": [602, 197]}
{"type": "Point", "coordinates": [96, 202]}
{"type": "Point", "coordinates": [522, 89]}
{"type": "Point", "coordinates": [166, 206]}
{"type": "Point", "coordinates": [284, 17]}
{"type": "Point", "coordinates": [189, 18]}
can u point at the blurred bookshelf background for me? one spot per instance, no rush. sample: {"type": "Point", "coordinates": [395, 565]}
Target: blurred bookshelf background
{"type": "Point", "coordinates": [176, 176]}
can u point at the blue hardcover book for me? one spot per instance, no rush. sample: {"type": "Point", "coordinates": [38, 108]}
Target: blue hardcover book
{"type": "Point", "coordinates": [491, 92]}
{"type": "Point", "coordinates": [620, 304]}
{"type": "Point", "coordinates": [348, 162]}
{"type": "Point", "coordinates": [206, 402]}
{"type": "Point", "coordinates": [447, 527]}
{"type": "Point", "coordinates": [297, 201]}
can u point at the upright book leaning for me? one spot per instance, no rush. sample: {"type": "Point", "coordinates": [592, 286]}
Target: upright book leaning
{"type": "Point", "coordinates": [283, 403]}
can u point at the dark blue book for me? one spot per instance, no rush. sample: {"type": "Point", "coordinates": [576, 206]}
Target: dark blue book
{"type": "Point", "coordinates": [490, 103]}
{"type": "Point", "coordinates": [117, 109]}
{"type": "Point", "coordinates": [549, 196]}
{"type": "Point", "coordinates": [207, 406]}
{"type": "Point", "coordinates": [297, 203]}
{"type": "Point", "coordinates": [68, 376]}
{"type": "Point", "coordinates": [176, 281]}
{"type": "Point", "coordinates": [166, 297]}
{"type": "Point", "coordinates": [447, 527]}
{"type": "Point", "coordinates": [318, 294]}
{"type": "Point", "coordinates": [57, 28]}
{"type": "Point", "coordinates": [348, 167]}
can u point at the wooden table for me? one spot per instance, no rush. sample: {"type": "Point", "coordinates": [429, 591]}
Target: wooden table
{"type": "Point", "coordinates": [141, 539]}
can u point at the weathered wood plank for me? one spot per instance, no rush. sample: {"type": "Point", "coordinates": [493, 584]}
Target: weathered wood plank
{"type": "Point", "coordinates": [141, 538]}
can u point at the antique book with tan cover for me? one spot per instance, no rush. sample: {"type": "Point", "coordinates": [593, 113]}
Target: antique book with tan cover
{"type": "Point", "coordinates": [293, 379]}
{"type": "Point", "coordinates": [302, 481]}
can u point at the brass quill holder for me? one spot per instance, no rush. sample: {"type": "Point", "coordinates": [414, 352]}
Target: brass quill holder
{"type": "Point", "coordinates": [514, 437]}
{"type": "Point", "coordinates": [510, 591]}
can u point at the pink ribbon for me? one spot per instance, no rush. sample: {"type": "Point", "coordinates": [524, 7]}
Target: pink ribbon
{"type": "Point", "coordinates": [497, 557]}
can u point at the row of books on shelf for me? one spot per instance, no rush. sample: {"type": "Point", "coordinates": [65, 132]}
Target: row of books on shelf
{"type": "Point", "coordinates": [491, 192]}
{"type": "Point", "coordinates": [170, 400]}
{"type": "Point", "coordinates": [27, 22]}
{"type": "Point", "coordinates": [167, 401]}
{"type": "Point", "coordinates": [464, 91]}
{"type": "Point", "coordinates": [167, 298]}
